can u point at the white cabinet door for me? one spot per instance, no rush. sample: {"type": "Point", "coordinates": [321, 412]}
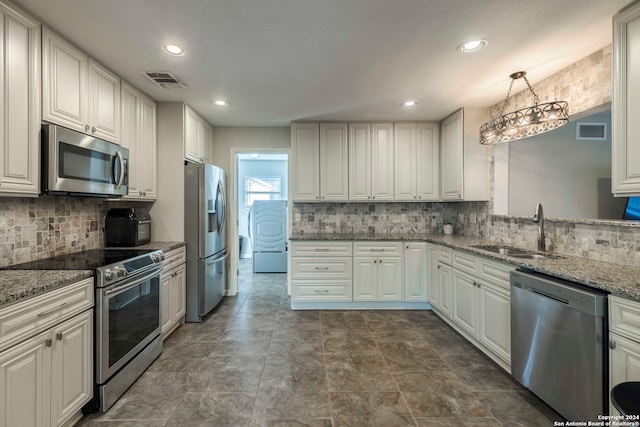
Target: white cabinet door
{"type": "Point", "coordinates": [204, 140]}
{"type": "Point", "coordinates": [148, 162]}
{"type": "Point", "coordinates": [365, 279]}
{"type": "Point", "coordinates": [435, 287]}
{"type": "Point", "coordinates": [19, 103]}
{"type": "Point", "coordinates": [64, 83]}
{"type": "Point", "coordinates": [104, 103]}
{"type": "Point", "coordinates": [626, 102]}
{"type": "Point", "coordinates": [415, 272]}
{"type": "Point", "coordinates": [72, 367]}
{"type": "Point", "coordinates": [178, 293]}
{"type": "Point", "coordinates": [445, 280]}
{"type": "Point", "coordinates": [25, 383]}
{"type": "Point", "coordinates": [405, 159]}
{"type": "Point", "coordinates": [428, 160]}
{"type": "Point", "coordinates": [464, 308]}
{"type": "Point", "coordinates": [359, 161]}
{"type": "Point", "coordinates": [624, 362]}
{"type": "Point", "coordinates": [334, 165]}
{"type": "Point", "coordinates": [166, 318]}
{"type": "Point", "coordinates": [382, 148]}
{"type": "Point", "coordinates": [494, 325]}
{"type": "Point", "coordinates": [191, 147]}
{"type": "Point", "coordinates": [390, 284]}
{"type": "Point", "coordinates": [130, 100]}
{"type": "Point", "coordinates": [452, 157]}
{"type": "Point", "coordinates": [305, 146]}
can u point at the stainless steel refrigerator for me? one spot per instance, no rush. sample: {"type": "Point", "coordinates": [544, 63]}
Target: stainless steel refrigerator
{"type": "Point", "coordinates": [205, 218]}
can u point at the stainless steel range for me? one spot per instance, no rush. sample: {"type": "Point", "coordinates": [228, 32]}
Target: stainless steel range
{"type": "Point", "coordinates": [127, 314]}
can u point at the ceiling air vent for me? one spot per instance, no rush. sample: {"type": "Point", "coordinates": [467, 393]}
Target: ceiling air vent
{"type": "Point", "coordinates": [165, 80]}
{"type": "Point", "coordinates": [591, 131]}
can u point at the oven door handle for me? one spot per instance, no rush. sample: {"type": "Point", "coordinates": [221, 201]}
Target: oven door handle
{"type": "Point", "coordinates": [135, 281]}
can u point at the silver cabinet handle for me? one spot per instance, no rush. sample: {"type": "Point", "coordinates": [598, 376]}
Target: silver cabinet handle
{"type": "Point", "coordinates": [53, 310]}
{"type": "Point", "coordinates": [438, 267]}
{"type": "Point", "coordinates": [321, 250]}
{"type": "Point", "coordinates": [93, 129]}
{"type": "Point", "coordinates": [59, 336]}
{"type": "Point", "coordinates": [86, 128]}
{"type": "Point", "coordinates": [322, 268]}
{"type": "Point", "coordinates": [321, 291]}
{"type": "Point", "coordinates": [48, 342]}
{"type": "Point", "coordinates": [612, 344]}
{"type": "Point", "coordinates": [377, 250]}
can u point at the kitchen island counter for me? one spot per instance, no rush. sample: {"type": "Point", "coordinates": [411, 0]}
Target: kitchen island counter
{"type": "Point", "coordinates": [618, 279]}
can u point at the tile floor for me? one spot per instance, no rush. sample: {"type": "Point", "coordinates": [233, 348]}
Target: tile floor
{"type": "Point", "coordinates": [255, 362]}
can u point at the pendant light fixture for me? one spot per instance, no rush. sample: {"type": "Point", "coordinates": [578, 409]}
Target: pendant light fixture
{"type": "Point", "coordinates": [526, 122]}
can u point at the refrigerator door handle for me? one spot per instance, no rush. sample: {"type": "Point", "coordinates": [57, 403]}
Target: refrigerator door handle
{"type": "Point", "coordinates": [222, 215]}
{"type": "Point", "coordinates": [217, 259]}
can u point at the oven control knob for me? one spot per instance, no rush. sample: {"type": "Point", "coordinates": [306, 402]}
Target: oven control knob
{"type": "Point", "coordinates": [120, 272]}
{"type": "Point", "coordinates": [109, 274]}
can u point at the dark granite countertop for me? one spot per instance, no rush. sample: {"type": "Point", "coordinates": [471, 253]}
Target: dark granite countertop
{"type": "Point", "coordinates": [619, 279]}
{"type": "Point", "coordinates": [18, 285]}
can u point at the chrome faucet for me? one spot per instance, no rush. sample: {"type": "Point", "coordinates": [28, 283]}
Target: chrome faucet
{"type": "Point", "coordinates": [538, 217]}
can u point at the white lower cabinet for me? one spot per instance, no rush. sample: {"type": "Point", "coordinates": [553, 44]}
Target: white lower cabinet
{"type": "Point", "coordinates": [173, 291]}
{"type": "Point", "coordinates": [47, 376]}
{"type": "Point", "coordinates": [415, 271]}
{"type": "Point", "coordinates": [624, 342]}
{"type": "Point", "coordinates": [472, 294]}
{"type": "Point", "coordinates": [378, 271]}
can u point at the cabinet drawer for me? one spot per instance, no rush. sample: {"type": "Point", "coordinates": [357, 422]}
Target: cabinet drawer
{"type": "Point", "coordinates": [321, 249]}
{"type": "Point", "coordinates": [25, 319]}
{"type": "Point", "coordinates": [496, 272]}
{"type": "Point", "coordinates": [378, 248]}
{"type": "Point", "coordinates": [464, 262]}
{"type": "Point", "coordinates": [444, 254]}
{"type": "Point", "coordinates": [322, 268]}
{"type": "Point", "coordinates": [174, 258]}
{"type": "Point", "coordinates": [321, 290]}
{"type": "Point", "coordinates": [624, 317]}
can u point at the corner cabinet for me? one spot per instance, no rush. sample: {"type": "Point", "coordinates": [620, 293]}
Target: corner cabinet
{"type": "Point", "coordinates": [464, 162]}
{"type": "Point", "coordinates": [46, 357]}
{"type": "Point", "coordinates": [139, 136]}
{"type": "Point", "coordinates": [626, 103]}
{"type": "Point", "coordinates": [78, 93]}
{"type": "Point", "coordinates": [173, 291]}
{"type": "Point", "coordinates": [20, 103]}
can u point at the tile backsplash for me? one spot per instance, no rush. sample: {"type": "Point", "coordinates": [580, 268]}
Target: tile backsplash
{"type": "Point", "coordinates": [43, 227]}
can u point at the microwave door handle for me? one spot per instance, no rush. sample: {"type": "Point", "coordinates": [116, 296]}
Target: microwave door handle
{"type": "Point", "coordinates": [121, 177]}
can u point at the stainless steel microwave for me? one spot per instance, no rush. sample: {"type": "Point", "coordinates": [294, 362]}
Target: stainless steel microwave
{"type": "Point", "coordinates": [77, 164]}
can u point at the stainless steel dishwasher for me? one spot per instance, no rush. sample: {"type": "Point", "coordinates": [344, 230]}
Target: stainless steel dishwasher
{"type": "Point", "coordinates": [558, 344]}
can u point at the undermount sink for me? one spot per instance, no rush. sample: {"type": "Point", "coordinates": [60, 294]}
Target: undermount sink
{"type": "Point", "coordinates": [516, 252]}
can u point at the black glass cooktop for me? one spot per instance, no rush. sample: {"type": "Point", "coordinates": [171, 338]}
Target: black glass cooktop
{"type": "Point", "coordinates": [86, 260]}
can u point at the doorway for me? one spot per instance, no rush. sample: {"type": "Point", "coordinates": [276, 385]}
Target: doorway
{"type": "Point", "coordinates": [259, 175]}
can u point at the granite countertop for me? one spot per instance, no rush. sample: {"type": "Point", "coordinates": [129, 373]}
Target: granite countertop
{"type": "Point", "coordinates": [619, 279]}
{"type": "Point", "coordinates": [19, 285]}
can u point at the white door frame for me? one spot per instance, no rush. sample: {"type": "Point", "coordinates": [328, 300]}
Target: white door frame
{"type": "Point", "coordinates": [234, 246]}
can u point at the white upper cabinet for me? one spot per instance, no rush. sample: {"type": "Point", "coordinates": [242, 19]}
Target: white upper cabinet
{"type": "Point", "coordinates": [77, 92]}
{"type": "Point", "coordinates": [197, 137]}
{"type": "Point", "coordinates": [139, 136]}
{"type": "Point", "coordinates": [382, 148]}
{"type": "Point", "coordinates": [464, 162]}
{"type": "Point", "coordinates": [416, 161]}
{"type": "Point", "coordinates": [359, 161]}
{"type": "Point", "coordinates": [334, 165]}
{"type": "Point", "coordinates": [305, 153]}
{"type": "Point", "coordinates": [19, 103]}
{"type": "Point", "coordinates": [626, 103]}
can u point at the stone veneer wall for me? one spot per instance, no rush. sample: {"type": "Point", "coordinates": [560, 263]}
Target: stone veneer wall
{"type": "Point", "coordinates": [43, 227]}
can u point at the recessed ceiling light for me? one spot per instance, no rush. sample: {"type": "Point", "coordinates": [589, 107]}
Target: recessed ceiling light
{"type": "Point", "coordinates": [410, 103]}
{"type": "Point", "coordinates": [221, 103]}
{"type": "Point", "coordinates": [473, 45]}
{"type": "Point", "coordinates": [173, 50]}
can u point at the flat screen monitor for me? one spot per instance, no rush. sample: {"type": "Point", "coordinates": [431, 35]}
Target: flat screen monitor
{"type": "Point", "coordinates": [632, 211]}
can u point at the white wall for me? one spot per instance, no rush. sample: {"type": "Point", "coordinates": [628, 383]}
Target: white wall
{"type": "Point", "coordinates": [226, 138]}
{"type": "Point", "coordinates": [559, 171]}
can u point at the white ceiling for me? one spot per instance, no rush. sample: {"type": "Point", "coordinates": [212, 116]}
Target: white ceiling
{"type": "Point", "coordinates": [277, 61]}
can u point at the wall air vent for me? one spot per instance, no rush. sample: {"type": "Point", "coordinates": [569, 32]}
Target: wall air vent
{"type": "Point", "coordinates": [591, 131]}
{"type": "Point", "coordinates": [165, 80]}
